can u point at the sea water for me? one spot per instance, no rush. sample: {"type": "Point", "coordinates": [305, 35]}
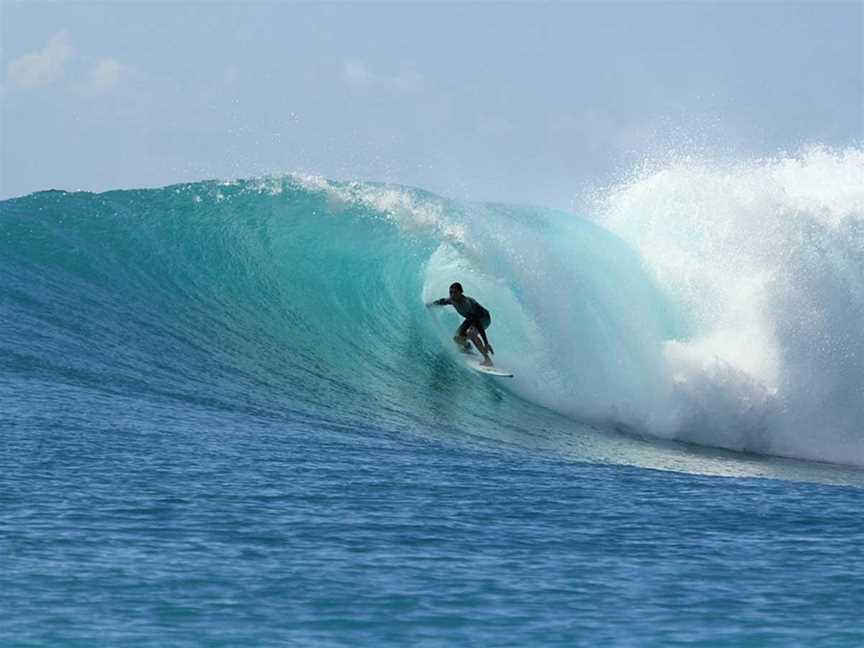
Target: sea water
{"type": "Point", "coordinates": [229, 418]}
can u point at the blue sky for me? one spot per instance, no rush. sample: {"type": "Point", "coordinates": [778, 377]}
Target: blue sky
{"type": "Point", "coordinates": [506, 102]}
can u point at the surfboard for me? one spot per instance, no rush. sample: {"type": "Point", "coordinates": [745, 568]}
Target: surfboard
{"type": "Point", "coordinates": [474, 363]}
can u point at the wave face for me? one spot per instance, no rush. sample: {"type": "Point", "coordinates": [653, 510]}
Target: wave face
{"type": "Point", "coordinates": [720, 306]}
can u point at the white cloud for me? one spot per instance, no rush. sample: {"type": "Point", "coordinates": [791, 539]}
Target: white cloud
{"type": "Point", "coordinates": [44, 66]}
{"type": "Point", "coordinates": [104, 74]}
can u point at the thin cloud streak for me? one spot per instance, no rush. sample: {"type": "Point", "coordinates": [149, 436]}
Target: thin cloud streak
{"type": "Point", "coordinates": [42, 67]}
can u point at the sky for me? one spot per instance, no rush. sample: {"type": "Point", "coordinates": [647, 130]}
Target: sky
{"type": "Point", "coordinates": [504, 102]}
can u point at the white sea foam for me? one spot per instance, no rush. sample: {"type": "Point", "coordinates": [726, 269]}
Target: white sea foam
{"type": "Point", "coordinates": [400, 205]}
{"type": "Point", "coordinates": [767, 259]}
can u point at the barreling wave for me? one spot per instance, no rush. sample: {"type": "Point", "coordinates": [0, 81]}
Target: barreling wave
{"type": "Point", "coordinates": [716, 313]}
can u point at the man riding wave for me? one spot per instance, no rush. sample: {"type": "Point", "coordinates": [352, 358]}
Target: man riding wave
{"type": "Point", "coordinates": [477, 320]}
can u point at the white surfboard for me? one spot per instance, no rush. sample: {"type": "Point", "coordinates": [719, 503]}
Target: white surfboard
{"type": "Point", "coordinates": [474, 363]}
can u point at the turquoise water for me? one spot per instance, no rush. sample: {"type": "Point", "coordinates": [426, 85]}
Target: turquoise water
{"type": "Point", "coordinates": [229, 419]}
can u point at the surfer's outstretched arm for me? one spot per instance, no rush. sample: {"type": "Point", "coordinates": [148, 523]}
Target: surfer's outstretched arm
{"type": "Point", "coordinates": [444, 301]}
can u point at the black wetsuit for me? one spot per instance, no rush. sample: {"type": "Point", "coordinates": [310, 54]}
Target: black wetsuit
{"type": "Point", "coordinates": [473, 312]}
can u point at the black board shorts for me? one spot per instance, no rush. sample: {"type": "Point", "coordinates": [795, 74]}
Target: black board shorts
{"type": "Point", "coordinates": [483, 322]}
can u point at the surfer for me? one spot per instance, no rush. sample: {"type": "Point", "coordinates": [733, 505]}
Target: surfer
{"type": "Point", "coordinates": [477, 320]}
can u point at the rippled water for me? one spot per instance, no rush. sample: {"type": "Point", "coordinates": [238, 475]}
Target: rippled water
{"type": "Point", "coordinates": [150, 524]}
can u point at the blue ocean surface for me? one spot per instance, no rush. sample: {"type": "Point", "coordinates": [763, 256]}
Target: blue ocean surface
{"type": "Point", "coordinates": [228, 417]}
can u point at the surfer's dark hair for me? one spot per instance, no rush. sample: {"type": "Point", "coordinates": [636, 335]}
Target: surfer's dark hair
{"type": "Point", "coordinates": [456, 286]}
